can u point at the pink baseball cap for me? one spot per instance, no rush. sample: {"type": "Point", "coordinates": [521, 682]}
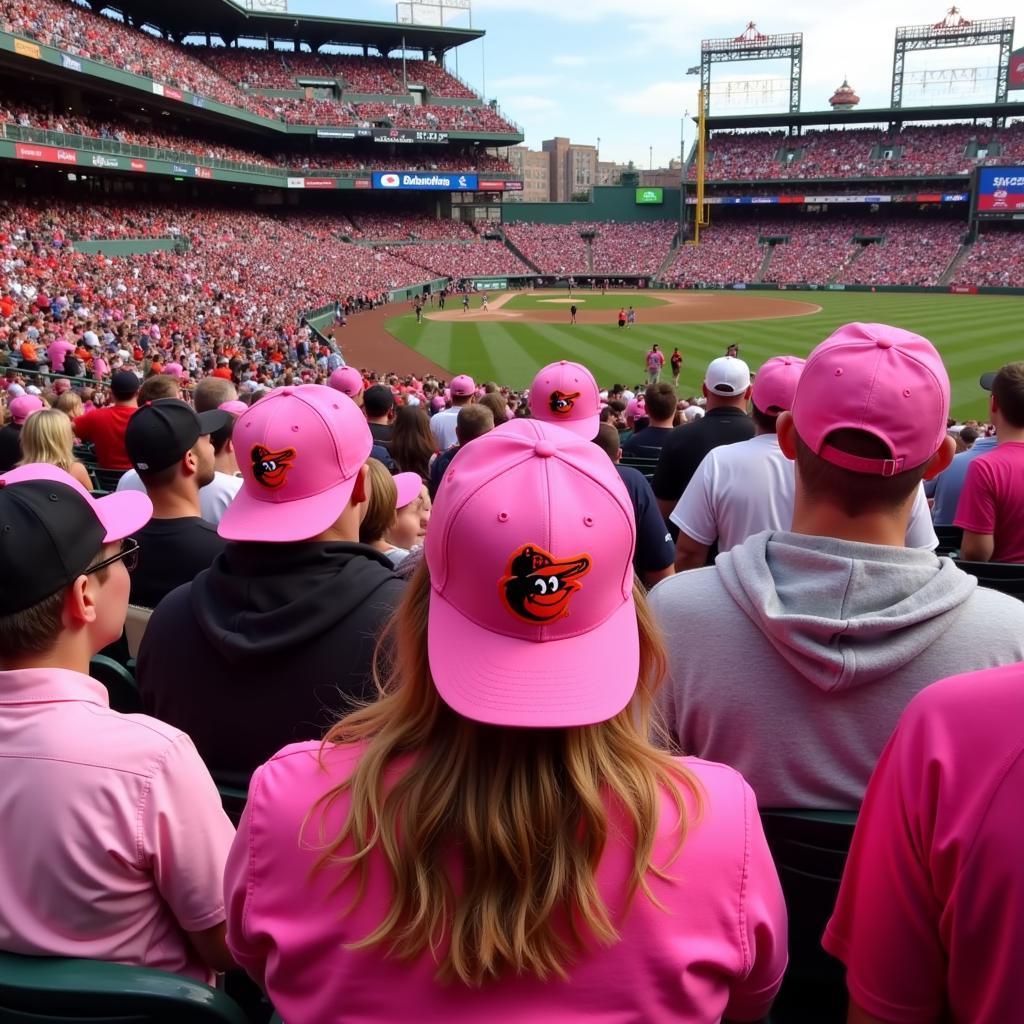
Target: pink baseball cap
{"type": "Point", "coordinates": [530, 547]}
{"type": "Point", "coordinates": [24, 406]}
{"type": "Point", "coordinates": [567, 394]}
{"type": "Point", "coordinates": [775, 384]}
{"type": "Point", "coordinates": [409, 486]}
{"type": "Point", "coordinates": [636, 408]}
{"type": "Point", "coordinates": [879, 379]}
{"type": "Point", "coordinates": [437, 403]}
{"type": "Point", "coordinates": [299, 451]}
{"type": "Point", "coordinates": [462, 385]}
{"type": "Point", "coordinates": [347, 380]}
{"type": "Point", "coordinates": [120, 514]}
{"type": "Point", "coordinates": [235, 407]}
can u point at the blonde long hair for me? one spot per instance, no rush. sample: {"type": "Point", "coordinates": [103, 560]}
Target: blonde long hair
{"type": "Point", "coordinates": [526, 811]}
{"type": "Point", "coordinates": [46, 437]}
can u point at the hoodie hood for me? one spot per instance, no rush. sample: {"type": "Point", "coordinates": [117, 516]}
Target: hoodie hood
{"type": "Point", "coordinates": [258, 599]}
{"type": "Point", "coordinates": [843, 614]}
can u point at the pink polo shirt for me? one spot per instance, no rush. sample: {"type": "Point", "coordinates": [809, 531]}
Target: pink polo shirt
{"type": "Point", "coordinates": [718, 946]}
{"type": "Point", "coordinates": [930, 915]}
{"type": "Point", "coordinates": [992, 500]}
{"type": "Point", "coordinates": [113, 840]}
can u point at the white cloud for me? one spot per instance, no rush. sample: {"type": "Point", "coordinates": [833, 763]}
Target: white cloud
{"type": "Point", "coordinates": [526, 104]}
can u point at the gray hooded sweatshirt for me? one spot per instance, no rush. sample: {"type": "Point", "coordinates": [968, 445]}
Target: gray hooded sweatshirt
{"type": "Point", "coordinates": [792, 658]}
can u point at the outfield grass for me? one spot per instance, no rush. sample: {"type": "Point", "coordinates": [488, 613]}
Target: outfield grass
{"type": "Point", "coordinates": [974, 333]}
{"type": "Point", "coordinates": [613, 301]}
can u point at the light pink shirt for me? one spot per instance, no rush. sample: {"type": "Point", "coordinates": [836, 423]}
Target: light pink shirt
{"type": "Point", "coordinates": [718, 947]}
{"type": "Point", "coordinates": [112, 836]}
{"type": "Point", "coordinates": [930, 915]}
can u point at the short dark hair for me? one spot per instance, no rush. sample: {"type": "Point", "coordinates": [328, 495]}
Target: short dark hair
{"type": "Point", "coordinates": [969, 435]}
{"type": "Point", "coordinates": [219, 438]}
{"type": "Point", "coordinates": [607, 439]}
{"type": "Point", "coordinates": [854, 493]}
{"type": "Point", "coordinates": [212, 393]}
{"type": "Point", "coordinates": [1008, 391]}
{"type": "Point", "coordinates": [159, 385]}
{"type": "Point", "coordinates": [473, 421]}
{"type": "Point", "coordinates": [378, 400]}
{"type": "Point", "coordinates": [661, 401]}
{"type": "Point", "coordinates": [764, 422]}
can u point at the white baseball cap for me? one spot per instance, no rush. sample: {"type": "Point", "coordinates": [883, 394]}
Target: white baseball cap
{"type": "Point", "coordinates": [727, 376]}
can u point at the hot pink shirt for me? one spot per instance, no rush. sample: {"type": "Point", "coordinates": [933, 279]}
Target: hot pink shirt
{"type": "Point", "coordinates": [718, 947]}
{"type": "Point", "coordinates": [992, 500]}
{"type": "Point", "coordinates": [931, 909]}
{"type": "Point", "coordinates": [112, 836]}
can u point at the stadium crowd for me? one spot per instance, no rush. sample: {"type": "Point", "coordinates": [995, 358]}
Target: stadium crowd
{"type": "Point", "coordinates": [526, 666]}
{"type": "Point", "coordinates": [994, 259]}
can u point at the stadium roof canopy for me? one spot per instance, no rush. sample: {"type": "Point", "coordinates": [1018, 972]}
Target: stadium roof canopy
{"type": "Point", "coordinates": [836, 118]}
{"type": "Point", "coordinates": [231, 22]}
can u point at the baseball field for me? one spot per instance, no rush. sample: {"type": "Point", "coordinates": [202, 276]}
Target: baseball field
{"type": "Point", "coordinates": [520, 332]}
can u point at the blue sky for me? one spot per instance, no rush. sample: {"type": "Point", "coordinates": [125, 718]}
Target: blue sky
{"type": "Point", "coordinates": [614, 70]}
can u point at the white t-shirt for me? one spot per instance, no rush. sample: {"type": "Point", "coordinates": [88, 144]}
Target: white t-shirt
{"type": "Point", "coordinates": [214, 498]}
{"type": "Point", "coordinates": [748, 487]}
{"type": "Point", "coordinates": [442, 426]}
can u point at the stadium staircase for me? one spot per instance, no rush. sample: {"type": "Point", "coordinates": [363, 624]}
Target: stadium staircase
{"type": "Point", "coordinates": [766, 259]}
{"type": "Point", "coordinates": [849, 262]}
{"type": "Point", "coordinates": [510, 245]}
{"type": "Point", "coordinates": [590, 255]}
{"type": "Point", "coordinates": [954, 264]}
{"type": "Point", "coordinates": [662, 270]}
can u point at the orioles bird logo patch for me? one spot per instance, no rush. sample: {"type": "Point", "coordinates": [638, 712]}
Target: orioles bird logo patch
{"type": "Point", "coordinates": [561, 404]}
{"type": "Point", "coordinates": [271, 468]}
{"type": "Point", "coordinates": [537, 586]}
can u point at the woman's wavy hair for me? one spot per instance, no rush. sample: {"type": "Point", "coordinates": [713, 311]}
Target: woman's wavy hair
{"type": "Point", "coordinates": [523, 812]}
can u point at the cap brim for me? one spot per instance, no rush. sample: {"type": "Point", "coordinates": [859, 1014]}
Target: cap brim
{"type": "Point", "coordinates": [986, 379]}
{"type": "Point", "coordinates": [586, 428]}
{"type": "Point", "coordinates": [282, 522]}
{"type": "Point", "coordinates": [409, 486]}
{"type": "Point", "coordinates": [503, 680]}
{"type": "Point", "coordinates": [212, 420]}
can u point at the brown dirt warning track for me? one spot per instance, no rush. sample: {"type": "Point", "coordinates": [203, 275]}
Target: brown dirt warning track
{"type": "Point", "coordinates": [367, 345]}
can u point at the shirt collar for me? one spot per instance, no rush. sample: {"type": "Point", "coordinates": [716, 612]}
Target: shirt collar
{"type": "Point", "coordinates": [50, 685]}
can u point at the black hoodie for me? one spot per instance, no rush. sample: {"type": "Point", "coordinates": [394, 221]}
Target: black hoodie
{"type": "Point", "coordinates": [266, 647]}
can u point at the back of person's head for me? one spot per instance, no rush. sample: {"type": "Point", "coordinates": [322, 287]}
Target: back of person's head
{"type": "Point", "coordinates": [212, 393]}
{"type": "Point", "coordinates": [166, 441]}
{"type": "Point", "coordinates": [566, 394]}
{"type": "Point", "coordinates": [382, 505]}
{"type": "Point", "coordinates": [124, 386]}
{"type": "Point", "coordinates": [607, 439]}
{"type": "Point", "coordinates": [47, 437]}
{"type": "Point", "coordinates": [412, 441]}
{"type": "Point", "coordinates": [474, 421]}
{"type": "Point", "coordinates": [869, 419]}
{"type": "Point", "coordinates": [378, 401]}
{"type": "Point", "coordinates": [70, 403]}
{"type": "Point", "coordinates": [527, 574]}
{"type": "Point", "coordinates": [969, 435]}
{"type": "Point", "coordinates": [53, 546]}
{"type": "Point", "coordinates": [159, 386]}
{"type": "Point", "coordinates": [660, 401]}
{"type": "Point", "coordinates": [462, 389]}
{"type": "Point", "coordinates": [496, 403]}
{"type": "Point", "coordinates": [1007, 387]}
{"type": "Point", "coordinates": [774, 390]}
{"type": "Point", "coordinates": [727, 382]}
{"type": "Point", "coordinates": [25, 406]}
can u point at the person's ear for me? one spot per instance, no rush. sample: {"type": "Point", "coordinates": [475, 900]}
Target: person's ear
{"type": "Point", "coordinates": [704, 391]}
{"type": "Point", "coordinates": [993, 407]}
{"type": "Point", "coordinates": [361, 491]}
{"type": "Point", "coordinates": [190, 462]}
{"type": "Point", "coordinates": [79, 603]}
{"type": "Point", "coordinates": [748, 393]}
{"type": "Point", "coordinates": [786, 433]}
{"type": "Point", "coordinates": [941, 459]}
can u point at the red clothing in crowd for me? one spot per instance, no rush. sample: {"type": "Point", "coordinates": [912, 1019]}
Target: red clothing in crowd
{"type": "Point", "coordinates": [105, 428]}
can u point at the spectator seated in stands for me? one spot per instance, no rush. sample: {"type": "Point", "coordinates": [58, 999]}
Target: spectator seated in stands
{"type": "Point", "coordinates": [169, 445]}
{"type": "Point", "coordinates": [105, 428]}
{"type": "Point", "coordinates": [115, 840]}
{"type": "Point", "coordinates": [660, 402]}
{"type": "Point", "coordinates": [838, 623]}
{"type": "Point", "coordinates": [442, 423]}
{"type": "Point", "coordinates": [473, 421]}
{"type": "Point", "coordinates": [47, 437]}
{"type": "Point", "coordinates": [21, 408]}
{"type": "Point", "coordinates": [284, 622]}
{"type": "Point", "coordinates": [501, 716]}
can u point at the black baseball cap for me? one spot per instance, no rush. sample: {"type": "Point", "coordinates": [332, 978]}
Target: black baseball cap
{"type": "Point", "coordinates": [51, 528]}
{"type": "Point", "coordinates": [124, 384]}
{"type": "Point", "coordinates": [160, 433]}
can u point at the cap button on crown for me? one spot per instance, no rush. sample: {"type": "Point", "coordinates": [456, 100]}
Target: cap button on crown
{"type": "Point", "coordinates": [884, 343]}
{"type": "Point", "coordinates": [287, 391]}
{"type": "Point", "coordinates": [544, 449]}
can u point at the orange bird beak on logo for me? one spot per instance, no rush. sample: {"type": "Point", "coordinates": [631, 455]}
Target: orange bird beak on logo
{"type": "Point", "coordinates": [537, 586]}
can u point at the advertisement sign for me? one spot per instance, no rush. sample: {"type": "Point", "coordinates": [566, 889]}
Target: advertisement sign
{"type": "Point", "coordinates": [296, 182]}
{"type": "Point", "coordinates": [320, 182]}
{"type": "Point", "coordinates": [45, 154]}
{"type": "Point", "coordinates": [363, 183]}
{"type": "Point", "coordinates": [336, 133]}
{"type": "Point", "coordinates": [204, 172]}
{"type": "Point", "coordinates": [425, 181]}
{"type": "Point", "coordinates": [1015, 79]}
{"type": "Point", "coordinates": [408, 135]}
{"type": "Point", "coordinates": [138, 165]}
{"type": "Point", "coordinates": [183, 171]}
{"type": "Point", "coordinates": [198, 101]}
{"type": "Point", "coordinates": [513, 186]}
{"type": "Point", "coordinates": [101, 160]}
{"type": "Point", "coordinates": [910, 197]}
{"type": "Point", "coordinates": [650, 196]}
{"type": "Point", "coordinates": [172, 93]}
{"type": "Point", "coordinates": [27, 49]}
{"type": "Point", "coordinates": [1000, 190]}
{"type": "Point", "coordinates": [70, 63]}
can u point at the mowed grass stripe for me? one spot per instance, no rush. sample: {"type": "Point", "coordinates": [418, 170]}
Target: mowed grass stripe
{"type": "Point", "coordinates": [974, 334]}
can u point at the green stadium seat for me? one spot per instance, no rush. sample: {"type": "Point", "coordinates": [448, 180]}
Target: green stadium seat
{"type": "Point", "coordinates": [809, 849]}
{"type": "Point", "coordinates": [55, 990]}
{"type": "Point", "coordinates": [1005, 577]}
{"type": "Point", "coordinates": [950, 539]}
{"type": "Point", "coordinates": [234, 791]}
{"type": "Point", "coordinates": [646, 466]}
{"type": "Point", "coordinates": [120, 683]}
{"type": "Point", "coordinates": [105, 480]}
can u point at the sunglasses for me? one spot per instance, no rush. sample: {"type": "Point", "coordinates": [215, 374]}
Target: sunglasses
{"type": "Point", "coordinates": [129, 554]}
